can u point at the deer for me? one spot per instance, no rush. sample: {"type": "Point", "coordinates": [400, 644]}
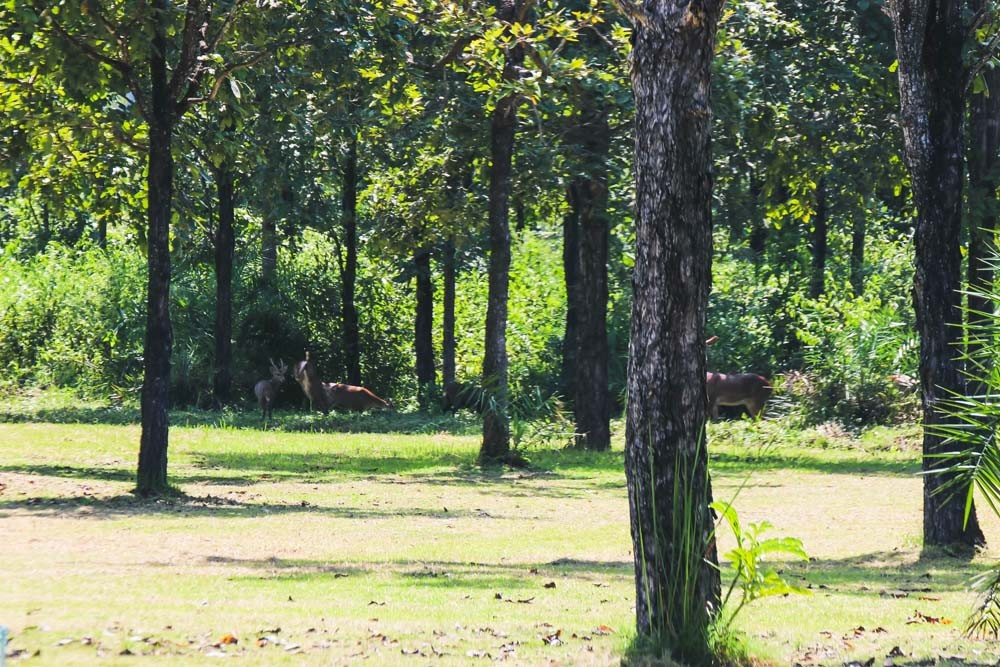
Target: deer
{"type": "Point", "coordinates": [747, 389]}
{"type": "Point", "coordinates": [305, 374]}
{"type": "Point", "coordinates": [266, 391]}
{"type": "Point", "coordinates": [350, 397]}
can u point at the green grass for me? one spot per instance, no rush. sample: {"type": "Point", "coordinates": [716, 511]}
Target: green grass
{"type": "Point", "coordinates": [388, 546]}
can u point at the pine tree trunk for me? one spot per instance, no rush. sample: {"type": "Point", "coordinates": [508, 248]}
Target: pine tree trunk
{"type": "Point", "coordinates": [448, 314]}
{"type": "Point", "coordinates": [225, 244]}
{"type": "Point", "coordinates": [496, 425]}
{"type": "Point", "coordinates": [349, 322]}
{"type": "Point", "coordinates": [666, 457]}
{"type": "Point", "coordinates": [424, 328]}
{"type": "Point", "coordinates": [929, 42]}
{"type": "Point", "coordinates": [155, 401]}
{"type": "Point", "coordinates": [819, 242]}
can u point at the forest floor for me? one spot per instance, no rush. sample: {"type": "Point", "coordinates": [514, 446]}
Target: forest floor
{"type": "Point", "coordinates": [297, 547]}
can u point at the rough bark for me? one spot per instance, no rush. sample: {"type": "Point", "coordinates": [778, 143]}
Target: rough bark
{"type": "Point", "coordinates": [225, 244]}
{"type": "Point", "coordinates": [151, 477]}
{"type": "Point", "coordinates": [448, 314]}
{"type": "Point", "coordinates": [666, 457]}
{"type": "Point", "coordinates": [503, 122]}
{"type": "Point", "coordinates": [929, 42]}
{"type": "Point", "coordinates": [818, 246]}
{"type": "Point", "coordinates": [423, 329]}
{"type": "Point", "coordinates": [349, 274]}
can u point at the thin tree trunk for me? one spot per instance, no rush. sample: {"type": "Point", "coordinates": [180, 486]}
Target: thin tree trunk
{"type": "Point", "coordinates": [571, 276]}
{"type": "Point", "coordinates": [666, 456]}
{"type": "Point", "coordinates": [448, 314]}
{"type": "Point", "coordinates": [858, 234]}
{"type": "Point", "coordinates": [152, 470]}
{"type": "Point", "coordinates": [349, 323]}
{"type": "Point", "coordinates": [496, 425]}
{"type": "Point", "coordinates": [929, 42]}
{"type": "Point", "coordinates": [225, 244]}
{"type": "Point", "coordinates": [269, 247]}
{"type": "Point", "coordinates": [424, 328]}
{"type": "Point", "coordinates": [819, 242]}
{"type": "Point", "coordinates": [984, 126]}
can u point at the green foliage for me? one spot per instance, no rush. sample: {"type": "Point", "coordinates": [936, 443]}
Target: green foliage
{"type": "Point", "coordinates": [751, 577]}
{"type": "Point", "coordinates": [72, 317]}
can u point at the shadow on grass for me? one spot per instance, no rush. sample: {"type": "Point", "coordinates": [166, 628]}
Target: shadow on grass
{"type": "Point", "coordinates": [885, 574]}
{"type": "Point", "coordinates": [775, 459]}
{"type": "Point", "coordinates": [435, 573]}
{"type": "Point", "coordinates": [284, 421]}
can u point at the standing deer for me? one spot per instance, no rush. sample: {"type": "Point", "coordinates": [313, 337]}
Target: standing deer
{"type": "Point", "coordinates": [305, 374]}
{"type": "Point", "coordinates": [746, 389]}
{"type": "Point", "coordinates": [266, 391]}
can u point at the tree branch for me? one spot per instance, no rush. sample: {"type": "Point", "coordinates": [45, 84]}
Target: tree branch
{"type": "Point", "coordinates": [226, 73]}
{"type": "Point", "coordinates": [978, 66]}
{"type": "Point", "coordinates": [633, 11]}
{"type": "Point", "coordinates": [90, 50]}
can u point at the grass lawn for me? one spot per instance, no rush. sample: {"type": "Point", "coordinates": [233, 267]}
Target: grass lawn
{"type": "Point", "coordinates": [317, 547]}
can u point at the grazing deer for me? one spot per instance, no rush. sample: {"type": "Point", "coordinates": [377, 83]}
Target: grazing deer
{"type": "Point", "coordinates": [349, 397]}
{"type": "Point", "coordinates": [266, 391]}
{"type": "Point", "coordinates": [458, 395]}
{"type": "Point", "coordinates": [746, 389]}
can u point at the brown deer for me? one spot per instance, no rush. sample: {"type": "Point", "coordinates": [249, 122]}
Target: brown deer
{"type": "Point", "coordinates": [746, 389]}
{"type": "Point", "coordinates": [305, 374]}
{"type": "Point", "coordinates": [349, 397]}
{"type": "Point", "coordinates": [266, 391]}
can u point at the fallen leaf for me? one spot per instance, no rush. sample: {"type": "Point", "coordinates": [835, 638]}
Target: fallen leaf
{"type": "Point", "coordinates": [554, 639]}
{"type": "Point", "coordinates": [924, 618]}
{"type": "Point", "coordinates": [929, 598]}
{"type": "Point", "coordinates": [409, 651]}
{"type": "Point", "coordinates": [895, 653]}
{"type": "Point", "coordinates": [229, 639]}
{"type": "Point", "coordinates": [376, 603]}
{"type": "Point", "coordinates": [550, 584]}
{"type": "Point", "coordinates": [603, 630]}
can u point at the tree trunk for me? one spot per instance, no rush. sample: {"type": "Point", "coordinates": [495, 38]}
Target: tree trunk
{"type": "Point", "coordinates": [666, 456]}
{"type": "Point", "coordinates": [819, 242]}
{"type": "Point", "coordinates": [349, 323]}
{"type": "Point", "coordinates": [592, 404]}
{"type": "Point", "coordinates": [571, 276]}
{"type": "Point", "coordinates": [984, 128]}
{"type": "Point", "coordinates": [269, 246]}
{"type": "Point", "coordinates": [152, 471]}
{"type": "Point", "coordinates": [424, 328]}
{"type": "Point", "coordinates": [588, 195]}
{"type": "Point", "coordinates": [496, 425]}
{"type": "Point", "coordinates": [929, 42]}
{"type": "Point", "coordinates": [858, 233]}
{"type": "Point", "coordinates": [448, 316]}
{"type": "Point", "coordinates": [225, 244]}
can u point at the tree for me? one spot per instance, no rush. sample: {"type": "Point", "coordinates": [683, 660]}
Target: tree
{"type": "Point", "coordinates": [126, 42]}
{"type": "Point", "coordinates": [930, 40]}
{"type": "Point", "coordinates": [503, 123]}
{"type": "Point", "coordinates": [666, 456]}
